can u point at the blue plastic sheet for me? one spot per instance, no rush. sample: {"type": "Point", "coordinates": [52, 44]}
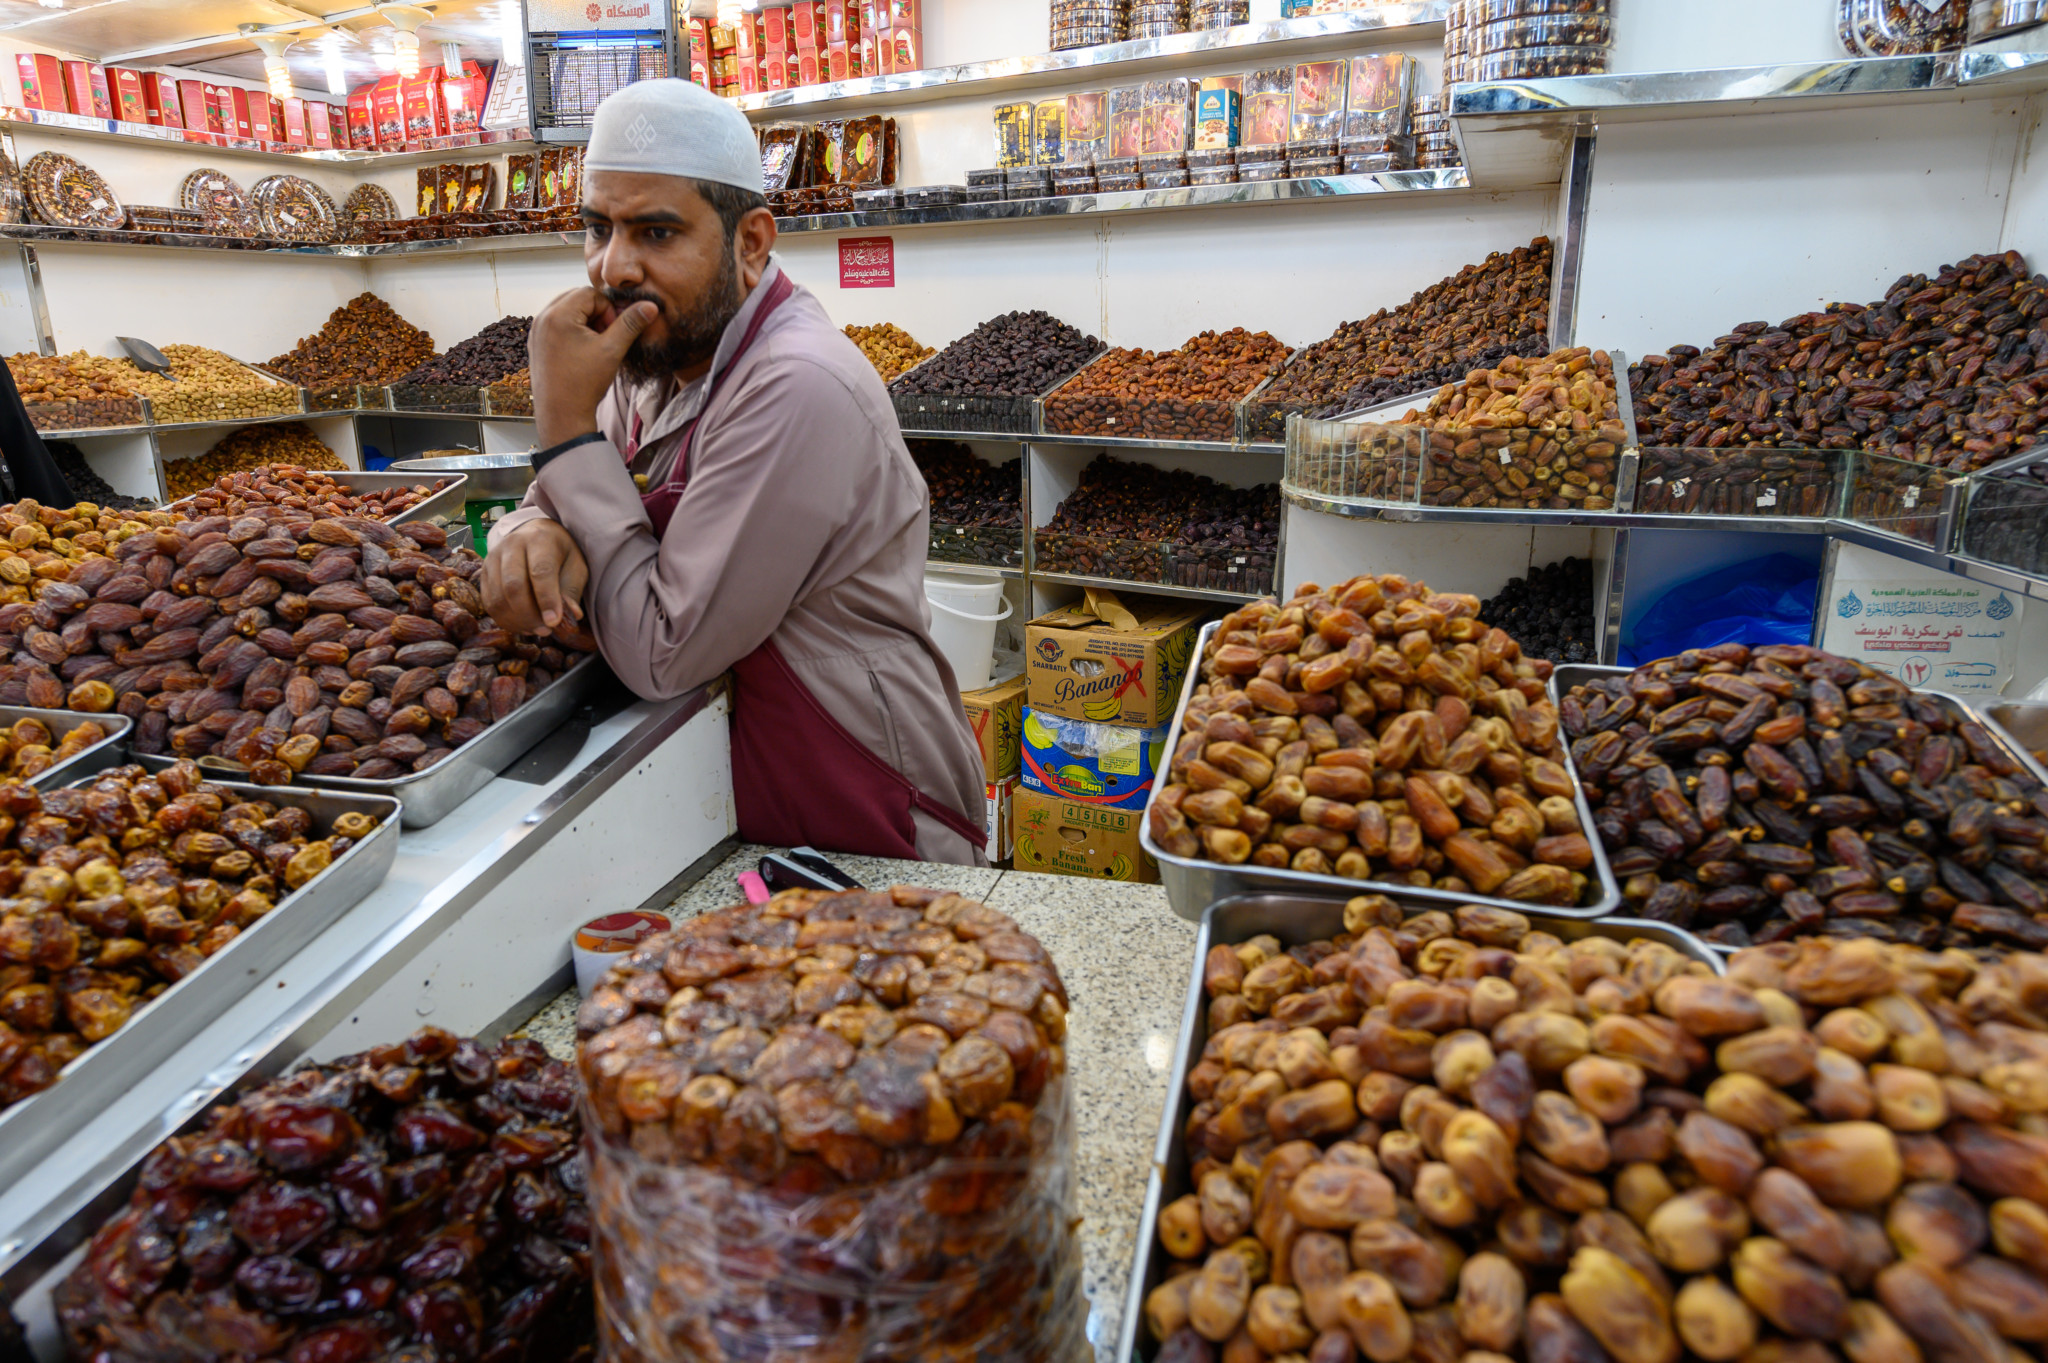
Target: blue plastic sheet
{"type": "Point", "coordinates": [1765, 600]}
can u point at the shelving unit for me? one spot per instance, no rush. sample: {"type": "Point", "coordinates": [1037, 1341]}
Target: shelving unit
{"type": "Point", "coordinates": [14, 118]}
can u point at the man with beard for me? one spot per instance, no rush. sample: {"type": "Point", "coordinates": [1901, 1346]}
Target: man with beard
{"type": "Point", "coordinates": [722, 487]}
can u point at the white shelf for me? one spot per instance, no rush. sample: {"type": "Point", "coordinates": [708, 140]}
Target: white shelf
{"type": "Point", "coordinates": [15, 119]}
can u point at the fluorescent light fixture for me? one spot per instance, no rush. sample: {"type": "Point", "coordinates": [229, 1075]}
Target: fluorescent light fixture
{"type": "Point", "coordinates": [405, 21]}
{"type": "Point", "coordinates": [511, 34]}
{"type": "Point", "coordinates": [277, 73]}
{"type": "Point", "coordinates": [337, 76]}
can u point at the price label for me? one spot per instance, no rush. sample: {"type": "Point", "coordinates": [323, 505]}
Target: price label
{"type": "Point", "coordinates": [1678, 488]}
{"type": "Point", "coordinates": [1506, 458]}
{"type": "Point", "coordinates": [1768, 497]}
{"type": "Point", "coordinates": [1912, 497]}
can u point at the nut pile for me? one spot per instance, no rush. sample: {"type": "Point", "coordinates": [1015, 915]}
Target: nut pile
{"type": "Point", "coordinates": [1756, 794]}
{"type": "Point", "coordinates": [76, 391]}
{"type": "Point", "coordinates": [248, 450]}
{"type": "Point", "coordinates": [28, 748]}
{"type": "Point", "coordinates": [1943, 370]}
{"type": "Point", "coordinates": [1462, 321]}
{"type": "Point", "coordinates": [499, 349]}
{"type": "Point", "coordinates": [1540, 434]}
{"type": "Point", "coordinates": [87, 485]}
{"type": "Point", "coordinates": [339, 646]}
{"type": "Point", "coordinates": [117, 892]}
{"type": "Point", "coordinates": [210, 386]}
{"type": "Point", "coordinates": [977, 509]}
{"type": "Point", "coordinates": [894, 1055]}
{"type": "Point", "coordinates": [1185, 394]}
{"type": "Point", "coordinates": [1376, 730]}
{"type": "Point", "coordinates": [314, 495]}
{"type": "Point", "coordinates": [1456, 1138]}
{"type": "Point", "coordinates": [889, 348]}
{"type": "Point", "coordinates": [1016, 355]}
{"type": "Point", "coordinates": [364, 341]}
{"type": "Point", "coordinates": [419, 1200]}
{"type": "Point", "coordinates": [1549, 612]}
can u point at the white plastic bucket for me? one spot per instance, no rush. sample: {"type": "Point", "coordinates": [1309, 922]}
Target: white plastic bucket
{"type": "Point", "coordinates": [962, 623]}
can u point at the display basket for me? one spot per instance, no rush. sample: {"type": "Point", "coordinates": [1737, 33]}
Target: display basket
{"type": "Point", "coordinates": [448, 491]}
{"type": "Point", "coordinates": [2005, 514]}
{"type": "Point", "coordinates": [987, 546]}
{"type": "Point", "coordinates": [1355, 461]}
{"type": "Point", "coordinates": [86, 761]}
{"type": "Point", "coordinates": [88, 414]}
{"type": "Point", "coordinates": [347, 397]}
{"type": "Point", "coordinates": [1126, 560]}
{"type": "Point", "coordinates": [1296, 919]}
{"type": "Point", "coordinates": [1203, 420]}
{"type": "Point", "coordinates": [1898, 496]}
{"type": "Point", "coordinates": [453, 399]}
{"type": "Point", "coordinates": [267, 396]}
{"type": "Point", "coordinates": [1246, 571]}
{"type": "Point", "coordinates": [943, 413]}
{"type": "Point", "coordinates": [505, 398]}
{"type": "Point", "coordinates": [1743, 480]}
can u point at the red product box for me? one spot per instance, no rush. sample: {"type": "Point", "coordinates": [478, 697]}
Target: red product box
{"type": "Point", "coordinates": [903, 50]}
{"type": "Point", "coordinates": [779, 72]}
{"type": "Point", "coordinates": [130, 104]}
{"type": "Point", "coordinates": [753, 75]}
{"type": "Point", "coordinates": [842, 62]}
{"type": "Point", "coordinates": [902, 14]}
{"type": "Point", "coordinates": [42, 82]}
{"type": "Point", "coordinates": [750, 35]}
{"type": "Point", "coordinates": [810, 69]}
{"type": "Point", "coordinates": [781, 29]}
{"type": "Point", "coordinates": [266, 116]}
{"type": "Point", "coordinates": [196, 107]}
{"type": "Point", "coordinates": [426, 113]}
{"type": "Point", "coordinates": [337, 128]}
{"type": "Point", "coordinates": [362, 127]}
{"type": "Point", "coordinates": [85, 83]}
{"type": "Point", "coordinates": [320, 132]}
{"type": "Point", "coordinates": [295, 122]}
{"type": "Point", "coordinates": [811, 21]}
{"type": "Point", "coordinates": [870, 53]}
{"type": "Point", "coordinates": [241, 105]}
{"type": "Point", "coordinates": [160, 98]}
{"type": "Point", "coordinates": [387, 115]}
{"type": "Point", "coordinates": [463, 98]}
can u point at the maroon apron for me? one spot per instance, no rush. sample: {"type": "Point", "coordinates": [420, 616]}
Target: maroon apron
{"type": "Point", "coordinates": [799, 779]}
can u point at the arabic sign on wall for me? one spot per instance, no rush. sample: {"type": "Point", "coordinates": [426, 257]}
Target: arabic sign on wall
{"type": "Point", "coordinates": [596, 16]}
{"type": "Point", "coordinates": [1925, 627]}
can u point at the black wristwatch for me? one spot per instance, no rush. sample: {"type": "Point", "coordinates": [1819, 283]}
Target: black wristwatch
{"type": "Point", "coordinates": [541, 459]}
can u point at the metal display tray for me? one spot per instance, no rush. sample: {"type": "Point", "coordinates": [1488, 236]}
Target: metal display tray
{"type": "Point", "coordinates": [2023, 724]}
{"type": "Point", "coordinates": [1192, 882]}
{"type": "Point", "coordinates": [1294, 919]}
{"type": "Point", "coordinates": [447, 502]}
{"type": "Point", "coordinates": [432, 795]}
{"type": "Point", "coordinates": [37, 1125]}
{"type": "Point", "coordinates": [97, 758]}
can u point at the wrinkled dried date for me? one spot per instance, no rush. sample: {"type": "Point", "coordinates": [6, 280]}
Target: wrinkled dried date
{"type": "Point", "coordinates": [1542, 434]}
{"type": "Point", "coordinates": [499, 349]}
{"type": "Point", "coordinates": [1016, 355]}
{"type": "Point", "coordinates": [1185, 394]}
{"type": "Point", "coordinates": [363, 341]}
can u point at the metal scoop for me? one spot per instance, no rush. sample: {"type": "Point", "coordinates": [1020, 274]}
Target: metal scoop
{"type": "Point", "coordinates": [147, 357]}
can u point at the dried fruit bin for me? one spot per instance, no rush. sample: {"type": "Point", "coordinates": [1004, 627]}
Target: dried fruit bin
{"type": "Point", "coordinates": [1294, 920]}
{"type": "Point", "coordinates": [1897, 496]}
{"type": "Point", "coordinates": [1162, 418]}
{"type": "Point", "coordinates": [1126, 560]}
{"type": "Point", "coordinates": [506, 399]}
{"type": "Point", "coordinates": [89, 414]}
{"type": "Point", "coordinates": [2005, 514]}
{"type": "Point", "coordinates": [926, 413]}
{"type": "Point", "coordinates": [2023, 724]}
{"type": "Point", "coordinates": [105, 753]}
{"type": "Point", "coordinates": [1355, 461]}
{"type": "Point", "coordinates": [432, 795]}
{"type": "Point", "coordinates": [347, 397]}
{"type": "Point", "coordinates": [1246, 571]}
{"type": "Point", "coordinates": [1742, 480]}
{"type": "Point", "coordinates": [1193, 883]}
{"type": "Point", "coordinates": [989, 546]}
{"type": "Point", "coordinates": [445, 503]}
{"type": "Point", "coordinates": [37, 1125]}
{"type": "Point", "coordinates": [266, 396]}
{"type": "Point", "coordinates": [435, 397]}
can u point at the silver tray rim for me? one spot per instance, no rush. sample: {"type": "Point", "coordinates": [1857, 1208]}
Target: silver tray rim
{"type": "Point", "coordinates": [1168, 1157]}
{"type": "Point", "coordinates": [173, 1017]}
{"type": "Point", "coordinates": [2000, 729]}
{"type": "Point", "coordinates": [449, 501]}
{"type": "Point", "coordinates": [1212, 881]}
{"type": "Point", "coordinates": [101, 755]}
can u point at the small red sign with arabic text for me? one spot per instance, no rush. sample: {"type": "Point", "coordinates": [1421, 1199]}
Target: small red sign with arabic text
{"type": "Point", "coordinates": [867, 262]}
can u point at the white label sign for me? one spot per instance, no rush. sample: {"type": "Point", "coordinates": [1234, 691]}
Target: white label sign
{"type": "Point", "coordinates": [596, 16]}
{"type": "Point", "coordinates": [1927, 628]}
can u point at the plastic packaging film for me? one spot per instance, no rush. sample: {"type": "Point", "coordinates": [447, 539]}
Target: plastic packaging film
{"type": "Point", "coordinates": [833, 1127]}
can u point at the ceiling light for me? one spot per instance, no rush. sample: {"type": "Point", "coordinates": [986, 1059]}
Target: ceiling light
{"type": "Point", "coordinates": [277, 73]}
{"type": "Point", "coordinates": [337, 77]}
{"type": "Point", "coordinates": [51, 4]}
{"type": "Point", "coordinates": [405, 21]}
{"type": "Point", "coordinates": [511, 34]}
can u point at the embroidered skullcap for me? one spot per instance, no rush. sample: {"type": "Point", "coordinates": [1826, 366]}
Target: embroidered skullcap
{"type": "Point", "coordinates": [675, 127]}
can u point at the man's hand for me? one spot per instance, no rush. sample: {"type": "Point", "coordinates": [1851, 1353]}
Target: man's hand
{"type": "Point", "coordinates": [575, 349]}
{"type": "Point", "coordinates": [533, 583]}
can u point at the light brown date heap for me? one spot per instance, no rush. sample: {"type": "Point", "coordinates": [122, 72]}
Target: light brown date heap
{"type": "Point", "coordinates": [1545, 434]}
{"type": "Point", "coordinates": [419, 1201]}
{"type": "Point", "coordinates": [1185, 394]}
{"type": "Point", "coordinates": [834, 1125]}
{"type": "Point", "coordinates": [1758, 794]}
{"type": "Point", "coordinates": [310, 491]}
{"type": "Point", "coordinates": [28, 748]}
{"type": "Point", "coordinates": [1376, 730]}
{"type": "Point", "coordinates": [1458, 1139]}
{"type": "Point", "coordinates": [114, 893]}
{"type": "Point", "coordinates": [336, 646]}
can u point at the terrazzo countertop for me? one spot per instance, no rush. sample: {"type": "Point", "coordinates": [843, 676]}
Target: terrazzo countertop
{"type": "Point", "coordinates": [1125, 957]}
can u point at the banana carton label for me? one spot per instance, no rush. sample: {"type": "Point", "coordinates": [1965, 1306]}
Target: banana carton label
{"type": "Point", "coordinates": [1128, 672]}
{"type": "Point", "coordinates": [1088, 763]}
{"type": "Point", "coordinates": [1064, 837]}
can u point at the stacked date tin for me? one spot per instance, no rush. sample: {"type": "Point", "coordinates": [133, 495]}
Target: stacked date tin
{"type": "Point", "coordinates": [1534, 39]}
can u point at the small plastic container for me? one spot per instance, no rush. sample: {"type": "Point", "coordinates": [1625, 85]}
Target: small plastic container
{"type": "Point", "coordinates": [1374, 162]}
{"type": "Point", "coordinates": [1548, 30]}
{"type": "Point", "coordinates": [1393, 144]}
{"type": "Point", "coordinates": [1023, 185]}
{"type": "Point", "coordinates": [1998, 18]}
{"type": "Point", "coordinates": [1212, 175]}
{"type": "Point", "coordinates": [1167, 179]}
{"type": "Point", "coordinates": [1065, 182]}
{"type": "Point", "coordinates": [876, 200]}
{"type": "Point", "coordinates": [1898, 28]}
{"type": "Point", "coordinates": [1116, 165]}
{"type": "Point", "coordinates": [1158, 18]}
{"type": "Point", "coordinates": [1313, 167]}
{"type": "Point", "coordinates": [1212, 157]}
{"type": "Point", "coordinates": [1205, 15]}
{"type": "Point", "coordinates": [1088, 23]}
{"type": "Point", "coordinates": [992, 176]}
{"type": "Point", "coordinates": [1482, 12]}
{"type": "Point", "coordinates": [933, 196]}
{"type": "Point", "coordinates": [1541, 63]}
{"type": "Point", "coordinates": [983, 194]}
{"type": "Point", "coordinates": [1312, 147]}
{"type": "Point", "coordinates": [1118, 184]}
{"type": "Point", "coordinates": [1249, 172]}
{"type": "Point", "coordinates": [1160, 162]}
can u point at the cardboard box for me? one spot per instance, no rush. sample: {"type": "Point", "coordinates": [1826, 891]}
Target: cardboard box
{"type": "Point", "coordinates": [244, 103]}
{"type": "Point", "coordinates": [426, 115]}
{"type": "Point", "coordinates": [42, 82]}
{"type": "Point", "coordinates": [810, 70]}
{"type": "Point", "coordinates": [1216, 125]}
{"type": "Point", "coordinates": [780, 29]}
{"type": "Point", "coordinates": [131, 105]}
{"type": "Point", "coordinates": [387, 114]}
{"type": "Point", "coordinates": [85, 85]}
{"type": "Point", "coordinates": [266, 116]}
{"type": "Point", "coordinates": [160, 98]}
{"type": "Point", "coordinates": [842, 62]}
{"type": "Point", "coordinates": [996, 715]}
{"type": "Point", "coordinates": [750, 36]}
{"type": "Point", "coordinates": [753, 75]}
{"type": "Point", "coordinates": [1111, 660]}
{"type": "Point", "coordinates": [362, 126]}
{"type": "Point", "coordinates": [295, 131]}
{"type": "Point", "coordinates": [338, 131]}
{"type": "Point", "coordinates": [1064, 838]}
{"type": "Point", "coordinates": [903, 49]}
{"type": "Point", "coordinates": [1001, 817]}
{"type": "Point", "coordinates": [463, 98]}
{"type": "Point", "coordinates": [1091, 764]}
{"type": "Point", "coordinates": [195, 104]}
{"type": "Point", "coordinates": [810, 20]}
{"type": "Point", "coordinates": [780, 70]}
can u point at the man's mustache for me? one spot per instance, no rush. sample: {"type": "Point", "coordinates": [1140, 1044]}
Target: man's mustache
{"type": "Point", "coordinates": [626, 298]}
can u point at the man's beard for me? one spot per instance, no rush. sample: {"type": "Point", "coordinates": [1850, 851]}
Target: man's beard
{"type": "Point", "coordinates": [691, 340]}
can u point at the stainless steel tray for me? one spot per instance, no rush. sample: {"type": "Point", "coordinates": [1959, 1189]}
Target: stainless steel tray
{"type": "Point", "coordinates": [492, 477]}
{"type": "Point", "coordinates": [1294, 919]}
{"type": "Point", "coordinates": [2023, 724]}
{"type": "Point", "coordinates": [101, 755]}
{"type": "Point", "coordinates": [1192, 883]}
{"type": "Point", "coordinates": [432, 795]}
{"type": "Point", "coordinates": [447, 502]}
{"type": "Point", "coordinates": [34, 1127]}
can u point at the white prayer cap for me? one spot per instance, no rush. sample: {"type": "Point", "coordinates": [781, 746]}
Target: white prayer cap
{"type": "Point", "coordinates": [675, 127]}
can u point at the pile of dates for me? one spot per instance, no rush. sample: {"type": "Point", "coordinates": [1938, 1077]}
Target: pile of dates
{"type": "Point", "coordinates": [1378, 731]}
{"type": "Point", "coordinates": [1759, 794]}
{"type": "Point", "coordinates": [280, 641]}
{"type": "Point", "coordinates": [116, 892]}
{"type": "Point", "coordinates": [1944, 370]}
{"type": "Point", "coordinates": [860, 1099]}
{"type": "Point", "coordinates": [28, 748]}
{"type": "Point", "coordinates": [1458, 1138]}
{"type": "Point", "coordinates": [1541, 434]}
{"type": "Point", "coordinates": [316, 494]}
{"type": "Point", "coordinates": [419, 1201]}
